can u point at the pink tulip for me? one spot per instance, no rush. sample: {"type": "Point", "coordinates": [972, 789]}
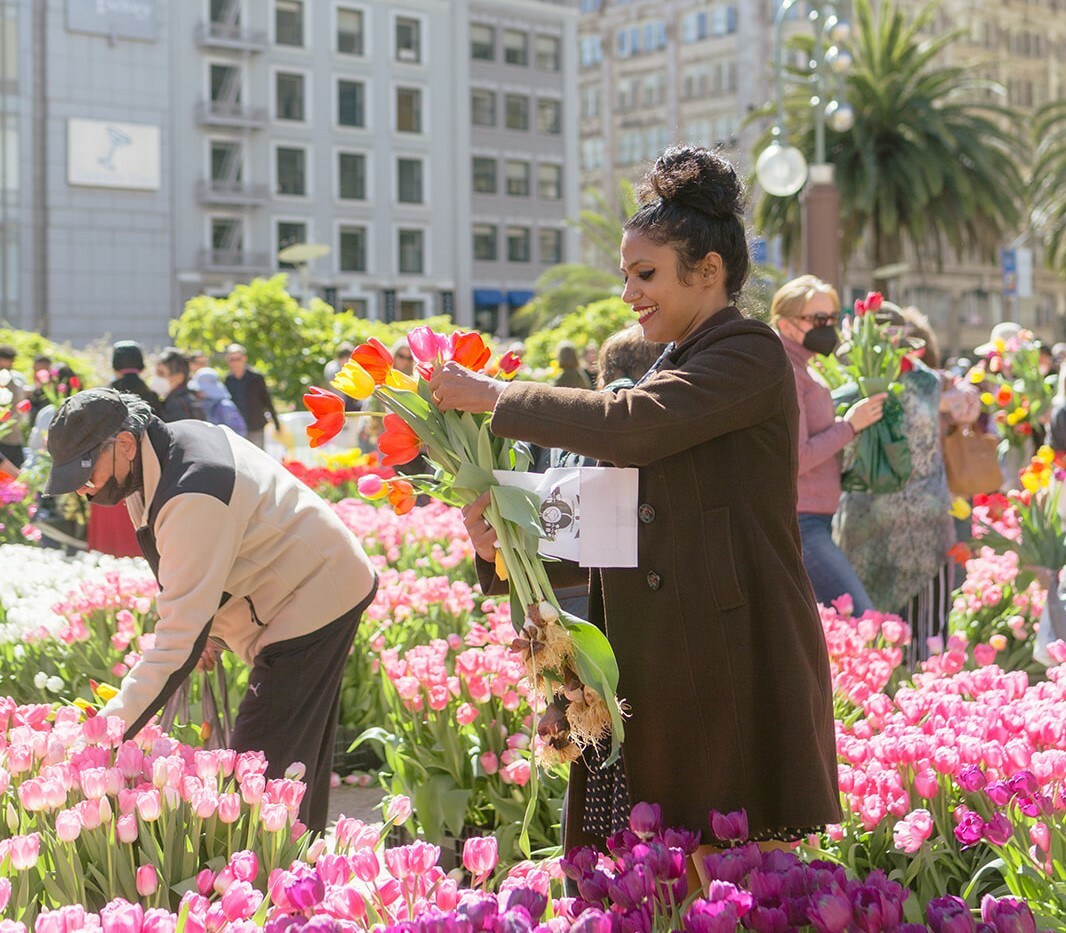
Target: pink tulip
{"type": "Point", "coordinates": [490, 764]}
{"type": "Point", "coordinates": [252, 788]}
{"type": "Point", "coordinates": [205, 882]}
{"type": "Point", "coordinates": [248, 763]}
{"type": "Point", "coordinates": [926, 783]}
{"type": "Point", "coordinates": [1039, 834]}
{"type": "Point", "coordinates": [229, 808]}
{"type": "Point", "coordinates": [517, 772]}
{"type": "Point", "coordinates": [240, 901]}
{"type": "Point", "coordinates": [94, 783]}
{"type": "Point", "coordinates": [365, 865]}
{"type": "Point", "coordinates": [345, 903]}
{"type": "Point", "coordinates": [24, 851]}
{"type": "Point", "coordinates": [68, 825]}
{"type": "Point", "coordinates": [5, 893]}
{"type": "Point", "coordinates": [159, 920]}
{"type": "Point", "coordinates": [129, 760]}
{"type": "Point", "coordinates": [274, 816]}
{"type": "Point", "coordinates": [913, 830]}
{"type": "Point", "coordinates": [399, 808]}
{"type": "Point", "coordinates": [466, 714]}
{"type": "Point", "coordinates": [126, 828]}
{"type": "Point", "coordinates": [480, 855]}
{"type": "Point", "coordinates": [295, 771]}
{"type": "Point", "coordinates": [120, 916]}
{"type": "Point", "coordinates": [245, 865]}
{"type": "Point", "coordinates": [147, 880]}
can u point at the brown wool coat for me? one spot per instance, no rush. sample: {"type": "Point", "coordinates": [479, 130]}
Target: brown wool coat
{"type": "Point", "coordinates": [720, 649]}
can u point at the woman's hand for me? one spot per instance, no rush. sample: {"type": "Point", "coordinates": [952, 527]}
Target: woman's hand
{"type": "Point", "coordinates": [456, 387]}
{"type": "Point", "coordinates": [482, 534]}
{"type": "Point", "coordinates": [866, 411]}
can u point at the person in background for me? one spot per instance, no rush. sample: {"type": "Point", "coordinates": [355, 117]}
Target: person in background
{"type": "Point", "coordinates": [11, 448]}
{"type": "Point", "coordinates": [805, 312]}
{"type": "Point", "coordinates": [624, 358]}
{"type": "Point", "coordinates": [197, 360]}
{"type": "Point", "coordinates": [42, 375]}
{"type": "Point", "coordinates": [283, 583]}
{"type": "Point", "coordinates": [572, 375]}
{"type": "Point", "coordinates": [250, 394]}
{"type": "Point", "coordinates": [590, 361]}
{"type": "Point", "coordinates": [719, 598]}
{"type": "Point", "coordinates": [127, 362]}
{"type": "Point", "coordinates": [217, 405]}
{"type": "Point", "coordinates": [172, 383]}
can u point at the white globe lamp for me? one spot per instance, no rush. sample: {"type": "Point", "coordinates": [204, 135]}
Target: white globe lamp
{"type": "Point", "coordinates": [781, 170]}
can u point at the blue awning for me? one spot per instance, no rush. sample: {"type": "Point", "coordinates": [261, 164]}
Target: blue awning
{"type": "Point", "coordinates": [518, 298]}
{"type": "Point", "coordinates": [488, 296]}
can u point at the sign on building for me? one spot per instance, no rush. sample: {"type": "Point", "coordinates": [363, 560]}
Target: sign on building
{"type": "Point", "coordinates": [124, 19]}
{"type": "Point", "coordinates": [103, 154]}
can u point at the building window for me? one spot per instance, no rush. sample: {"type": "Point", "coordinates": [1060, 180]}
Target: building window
{"type": "Point", "coordinates": [549, 116]}
{"type": "Point", "coordinates": [408, 40]}
{"type": "Point", "coordinates": [291, 171]}
{"type": "Point", "coordinates": [409, 181]}
{"type": "Point", "coordinates": [516, 47]}
{"type": "Point", "coordinates": [518, 174]}
{"type": "Point", "coordinates": [289, 22]}
{"type": "Point", "coordinates": [357, 306]}
{"type": "Point", "coordinates": [225, 84]}
{"type": "Point", "coordinates": [351, 103]}
{"type": "Point", "coordinates": [482, 42]}
{"type": "Point", "coordinates": [485, 242]}
{"type": "Point", "coordinates": [412, 251]}
{"type": "Point", "coordinates": [591, 100]}
{"type": "Point", "coordinates": [408, 110]}
{"type": "Point", "coordinates": [227, 162]}
{"type": "Point", "coordinates": [518, 244]}
{"type": "Point", "coordinates": [350, 32]}
{"type": "Point", "coordinates": [516, 111]}
{"type": "Point", "coordinates": [484, 175]}
{"type": "Point", "coordinates": [591, 50]}
{"type": "Point", "coordinates": [352, 249]}
{"type": "Point", "coordinates": [289, 96]}
{"type": "Point", "coordinates": [351, 171]}
{"type": "Point", "coordinates": [227, 235]}
{"type": "Point", "coordinates": [482, 107]}
{"type": "Point", "coordinates": [547, 53]}
{"type": "Point", "coordinates": [549, 181]}
{"type": "Point", "coordinates": [411, 309]}
{"type": "Point", "coordinates": [226, 12]}
{"type": "Point", "coordinates": [551, 246]}
{"type": "Point", "coordinates": [290, 233]}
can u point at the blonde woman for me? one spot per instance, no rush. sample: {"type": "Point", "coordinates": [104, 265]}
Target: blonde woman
{"type": "Point", "coordinates": [805, 312]}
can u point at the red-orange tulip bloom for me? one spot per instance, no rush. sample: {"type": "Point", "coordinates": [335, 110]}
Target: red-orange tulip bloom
{"type": "Point", "coordinates": [469, 350]}
{"type": "Point", "coordinates": [401, 496]}
{"type": "Point", "coordinates": [398, 442]}
{"type": "Point", "coordinates": [375, 358]}
{"type": "Point", "coordinates": [509, 364]}
{"type": "Point", "coordinates": [328, 410]}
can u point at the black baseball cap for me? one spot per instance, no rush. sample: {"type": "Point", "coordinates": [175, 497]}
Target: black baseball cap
{"type": "Point", "coordinates": [81, 426]}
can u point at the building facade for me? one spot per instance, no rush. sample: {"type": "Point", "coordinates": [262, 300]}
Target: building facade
{"type": "Point", "coordinates": [657, 72]}
{"type": "Point", "coordinates": [187, 143]}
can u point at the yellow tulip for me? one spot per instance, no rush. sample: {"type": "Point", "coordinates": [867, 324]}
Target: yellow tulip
{"type": "Point", "coordinates": [1046, 454]}
{"type": "Point", "coordinates": [1017, 415]}
{"type": "Point", "coordinates": [1031, 481]}
{"type": "Point", "coordinates": [501, 567]}
{"type": "Point", "coordinates": [987, 398]}
{"type": "Point", "coordinates": [1000, 345]}
{"type": "Point", "coordinates": [105, 691]}
{"type": "Point", "coordinates": [398, 380]}
{"type": "Point", "coordinates": [960, 509]}
{"type": "Point", "coordinates": [354, 381]}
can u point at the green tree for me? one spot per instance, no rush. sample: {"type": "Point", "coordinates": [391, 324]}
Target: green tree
{"type": "Point", "coordinates": [593, 322]}
{"type": "Point", "coordinates": [931, 160]}
{"type": "Point", "coordinates": [1047, 186]}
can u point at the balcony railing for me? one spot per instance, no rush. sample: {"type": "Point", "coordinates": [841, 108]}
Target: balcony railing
{"type": "Point", "coordinates": [228, 36]}
{"type": "Point", "coordinates": [234, 260]}
{"type": "Point", "coordinates": [231, 113]}
{"type": "Point", "coordinates": [221, 191]}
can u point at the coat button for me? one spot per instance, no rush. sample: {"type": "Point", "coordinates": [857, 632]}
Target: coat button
{"type": "Point", "coordinates": [646, 513]}
{"type": "Point", "coordinates": [654, 580]}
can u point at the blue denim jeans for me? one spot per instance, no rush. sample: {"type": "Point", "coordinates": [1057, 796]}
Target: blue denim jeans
{"type": "Point", "coordinates": [829, 569]}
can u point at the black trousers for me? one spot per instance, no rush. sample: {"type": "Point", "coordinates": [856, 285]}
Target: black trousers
{"type": "Point", "coordinates": [291, 707]}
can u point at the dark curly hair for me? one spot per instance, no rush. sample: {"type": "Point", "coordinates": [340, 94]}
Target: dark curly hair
{"type": "Point", "coordinates": [693, 199]}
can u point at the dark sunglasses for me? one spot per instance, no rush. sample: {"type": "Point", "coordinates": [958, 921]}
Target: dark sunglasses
{"type": "Point", "coordinates": [821, 319]}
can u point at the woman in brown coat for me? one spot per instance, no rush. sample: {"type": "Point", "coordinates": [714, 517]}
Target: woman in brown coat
{"type": "Point", "coordinates": [720, 649]}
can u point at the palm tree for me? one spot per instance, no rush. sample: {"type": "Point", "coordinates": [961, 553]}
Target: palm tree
{"type": "Point", "coordinates": [930, 159]}
{"type": "Point", "coordinates": [1047, 186]}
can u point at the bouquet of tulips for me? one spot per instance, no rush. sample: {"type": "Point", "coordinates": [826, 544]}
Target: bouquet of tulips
{"type": "Point", "coordinates": [569, 661]}
{"type": "Point", "coordinates": [872, 360]}
{"type": "Point", "coordinates": [1016, 393]}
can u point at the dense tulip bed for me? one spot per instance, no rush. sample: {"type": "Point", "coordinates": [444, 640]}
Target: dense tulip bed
{"type": "Point", "coordinates": [952, 777]}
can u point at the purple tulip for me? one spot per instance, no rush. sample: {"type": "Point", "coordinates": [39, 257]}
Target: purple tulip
{"type": "Point", "coordinates": [830, 912]}
{"type": "Point", "coordinates": [971, 779]}
{"type": "Point", "coordinates": [685, 840]}
{"type": "Point", "coordinates": [666, 864]}
{"type": "Point", "coordinates": [479, 910]}
{"type": "Point", "coordinates": [766, 886]}
{"type": "Point", "coordinates": [949, 914]}
{"type": "Point", "coordinates": [593, 921]}
{"type": "Point", "coordinates": [999, 792]}
{"type": "Point", "coordinates": [767, 920]}
{"type": "Point", "coordinates": [593, 886]}
{"type": "Point", "coordinates": [729, 827]}
{"type": "Point", "coordinates": [711, 917]}
{"type": "Point", "coordinates": [728, 866]}
{"type": "Point", "coordinates": [646, 819]}
{"type": "Point", "coordinates": [724, 891]}
{"type": "Point", "coordinates": [515, 920]}
{"type": "Point", "coordinates": [1024, 782]}
{"type": "Point", "coordinates": [622, 842]}
{"type": "Point", "coordinates": [1007, 915]}
{"type": "Point", "coordinates": [970, 830]}
{"type": "Point", "coordinates": [637, 920]}
{"type": "Point", "coordinates": [306, 891]}
{"type": "Point", "coordinates": [579, 862]}
{"type": "Point", "coordinates": [534, 902]}
{"type": "Point", "coordinates": [999, 830]}
{"type": "Point", "coordinates": [631, 888]}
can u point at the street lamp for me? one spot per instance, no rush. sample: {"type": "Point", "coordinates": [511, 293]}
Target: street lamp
{"type": "Point", "coordinates": [781, 169]}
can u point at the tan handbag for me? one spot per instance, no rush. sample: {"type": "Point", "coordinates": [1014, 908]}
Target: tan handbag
{"type": "Point", "coordinates": [971, 461]}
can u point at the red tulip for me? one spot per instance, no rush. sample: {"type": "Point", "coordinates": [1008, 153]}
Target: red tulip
{"type": "Point", "coordinates": [328, 410]}
{"type": "Point", "coordinates": [375, 358]}
{"type": "Point", "coordinates": [24, 406]}
{"type": "Point", "coordinates": [469, 350]}
{"type": "Point", "coordinates": [509, 364]}
{"type": "Point", "coordinates": [401, 496]}
{"type": "Point", "coordinates": [398, 443]}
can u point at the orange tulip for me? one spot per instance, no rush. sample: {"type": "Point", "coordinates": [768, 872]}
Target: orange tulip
{"type": "Point", "coordinates": [1004, 395]}
{"type": "Point", "coordinates": [401, 496]}
{"type": "Point", "coordinates": [328, 410]}
{"type": "Point", "coordinates": [375, 358]}
{"type": "Point", "coordinates": [469, 350]}
{"type": "Point", "coordinates": [398, 442]}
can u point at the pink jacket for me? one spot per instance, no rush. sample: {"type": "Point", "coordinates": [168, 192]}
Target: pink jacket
{"type": "Point", "coordinates": [822, 436]}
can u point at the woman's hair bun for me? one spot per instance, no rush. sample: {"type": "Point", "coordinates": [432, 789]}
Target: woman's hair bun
{"type": "Point", "coordinates": [697, 178]}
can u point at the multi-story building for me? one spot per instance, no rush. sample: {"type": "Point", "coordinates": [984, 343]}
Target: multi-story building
{"type": "Point", "coordinates": [185, 143]}
{"type": "Point", "coordinates": [656, 72]}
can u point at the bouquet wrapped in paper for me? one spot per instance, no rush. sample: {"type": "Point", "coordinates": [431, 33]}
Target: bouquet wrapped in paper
{"type": "Point", "coordinates": [569, 661]}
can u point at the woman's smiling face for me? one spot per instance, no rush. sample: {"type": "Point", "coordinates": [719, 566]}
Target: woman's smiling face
{"type": "Point", "coordinates": [668, 308]}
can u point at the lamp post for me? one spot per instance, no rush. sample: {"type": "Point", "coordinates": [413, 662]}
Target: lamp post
{"type": "Point", "coordinates": [782, 169]}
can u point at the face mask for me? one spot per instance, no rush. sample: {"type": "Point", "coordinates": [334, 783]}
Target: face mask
{"type": "Point", "coordinates": [160, 385]}
{"type": "Point", "coordinates": [111, 493]}
{"type": "Point", "coordinates": [821, 340]}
